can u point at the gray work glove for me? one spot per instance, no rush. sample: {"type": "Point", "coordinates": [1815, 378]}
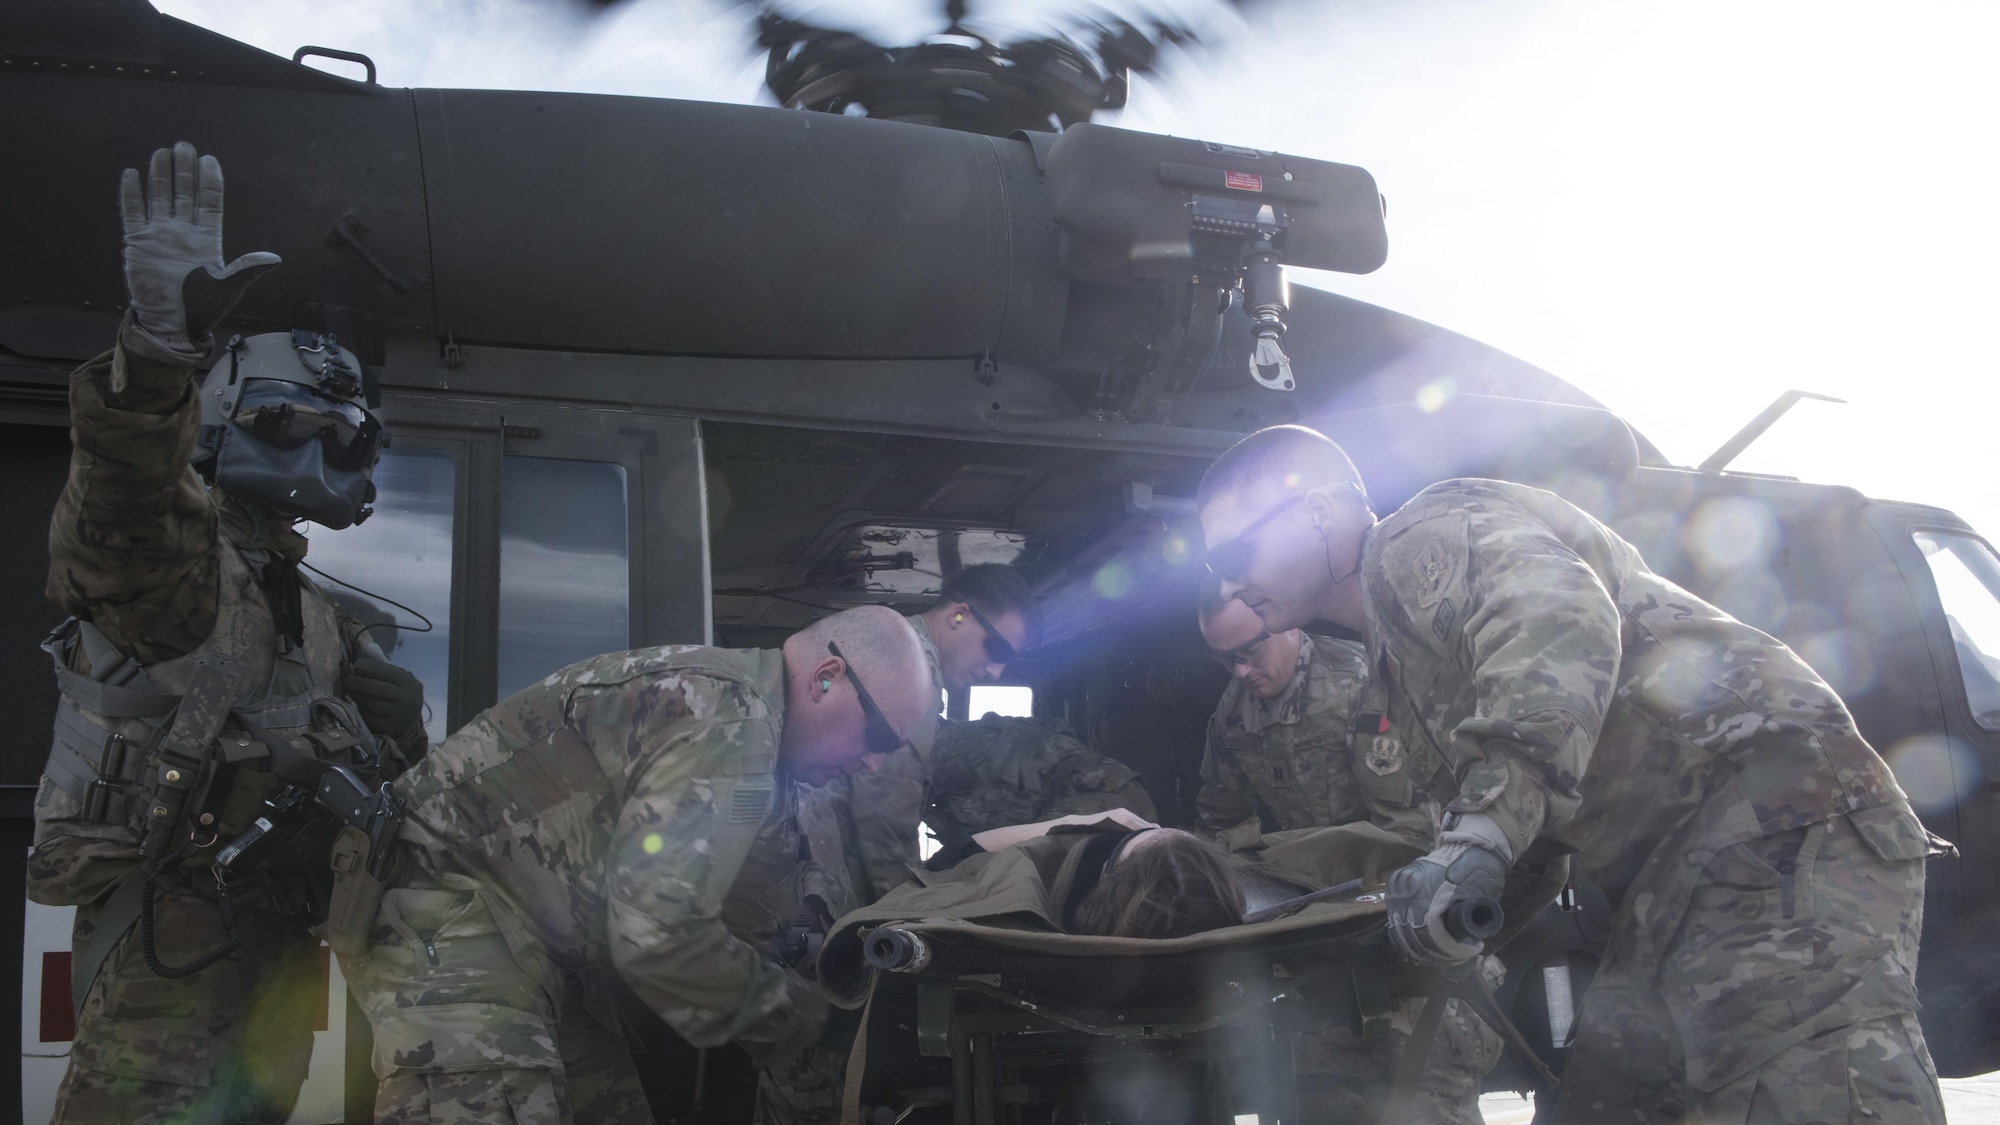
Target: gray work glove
{"type": "Point", "coordinates": [389, 697]}
{"type": "Point", "coordinates": [173, 257]}
{"type": "Point", "coordinates": [1469, 863]}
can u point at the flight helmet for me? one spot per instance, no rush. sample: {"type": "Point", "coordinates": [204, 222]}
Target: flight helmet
{"type": "Point", "coordinates": [286, 423]}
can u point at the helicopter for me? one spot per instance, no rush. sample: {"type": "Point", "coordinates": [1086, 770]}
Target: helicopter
{"type": "Point", "coordinates": [684, 372]}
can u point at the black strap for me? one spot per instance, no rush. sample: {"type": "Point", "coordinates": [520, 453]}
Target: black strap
{"type": "Point", "coordinates": [279, 578]}
{"type": "Point", "coordinates": [1416, 1054]}
{"type": "Point", "coordinates": [114, 921]}
{"type": "Point", "coordinates": [214, 685]}
{"type": "Point", "coordinates": [291, 758]}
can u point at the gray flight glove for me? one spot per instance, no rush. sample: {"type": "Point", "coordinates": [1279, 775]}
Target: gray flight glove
{"type": "Point", "coordinates": [174, 273]}
{"type": "Point", "coordinates": [1428, 899]}
{"type": "Point", "coordinates": [389, 697]}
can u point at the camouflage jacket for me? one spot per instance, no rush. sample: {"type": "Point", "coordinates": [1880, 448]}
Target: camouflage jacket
{"type": "Point", "coordinates": [1300, 758]}
{"type": "Point", "coordinates": [132, 547]}
{"type": "Point", "coordinates": [1552, 681]}
{"type": "Point", "coordinates": [138, 547]}
{"type": "Point", "coordinates": [997, 771]}
{"type": "Point", "coordinates": [631, 807]}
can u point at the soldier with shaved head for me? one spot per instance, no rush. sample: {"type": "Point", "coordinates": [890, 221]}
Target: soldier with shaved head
{"type": "Point", "coordinates": [1765, 870]}
{"type": "Point", "coordinates": [630, 813]}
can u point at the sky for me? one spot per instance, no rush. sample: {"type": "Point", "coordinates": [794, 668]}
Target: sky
{"type": "Point", "coordinates": [1682, 209]}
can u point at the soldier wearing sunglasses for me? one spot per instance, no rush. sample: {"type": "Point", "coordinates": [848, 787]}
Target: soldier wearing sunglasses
{"type": "Point", "coordinates": [984, 615]}
{"type": "Point", "coordinates": [1298, 741]}
{"type": "Point", "coordinates": [633, 813]}
{"type": "Point", "coordinates": [1564, 699]}
{"type": "Point", "coordinates": [1285, 749]}
{"type": "Point", "coordinates": [863, 829]}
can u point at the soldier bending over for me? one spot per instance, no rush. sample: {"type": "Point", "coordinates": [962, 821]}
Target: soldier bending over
{"type": "Point", "coordinates": [631, 813]}
{"type": "Point", "coordinates": [1765, 870]}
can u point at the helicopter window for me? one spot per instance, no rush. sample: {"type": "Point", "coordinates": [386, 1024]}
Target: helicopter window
{"type": "Point", "coordinates": [1002, 699]}
{"type": "Point", "coordinates": [403, 551]}
{"type": "Point", "coordinates": [565, 574]}
{"type": "Point", "coordinates": [1968, 582]}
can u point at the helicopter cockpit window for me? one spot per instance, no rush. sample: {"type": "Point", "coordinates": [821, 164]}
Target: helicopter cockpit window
{"type": "Point", "coordinates": [565, 575]}
{"type": "Point", "coordinates": [402, 552]}
{"type": "Point", "coordinates": [1968, 582]}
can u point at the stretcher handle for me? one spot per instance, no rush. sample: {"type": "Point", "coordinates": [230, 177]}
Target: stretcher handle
{"type": "Point", "coordinates": [1473, 920]}
{"type": "Point", "coordinates": [896, 951]}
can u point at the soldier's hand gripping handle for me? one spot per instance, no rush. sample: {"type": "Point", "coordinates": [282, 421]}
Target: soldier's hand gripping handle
{"type": "Point", "coordinates": [1443, 907]}
{"type": "Point", "coordinates": [174, 273]}
{"type": "Point", "coordinates": [363, 855]}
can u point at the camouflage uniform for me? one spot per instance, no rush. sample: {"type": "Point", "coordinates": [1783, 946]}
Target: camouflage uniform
{"type": "Point", "coordinates": [160, 566]}
{"type": "Point", "coordinates": [862, 829]}
{"type": "Point", "coordinates": [997, 771]}
{"type": "Point", "coordinates": [1301, 759]}
{"type": "Point", "coordinates": [624, 814]}
{"type": "Point", "coordinates": [1765, 870]}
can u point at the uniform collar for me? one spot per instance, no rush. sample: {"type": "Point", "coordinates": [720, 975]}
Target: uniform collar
{"type": "Point", "coordinates": [253, 527]}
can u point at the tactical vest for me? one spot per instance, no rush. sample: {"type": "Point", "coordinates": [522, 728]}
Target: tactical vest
{"type": "Point", "coordinates": [184, 753]}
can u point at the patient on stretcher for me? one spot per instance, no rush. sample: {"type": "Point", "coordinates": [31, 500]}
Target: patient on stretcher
{"type": "Point", "coordinates": [1116, 874]}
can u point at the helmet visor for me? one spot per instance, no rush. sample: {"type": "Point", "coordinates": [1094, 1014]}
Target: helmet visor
{"type": "Point", "coordinates": [288, 416]}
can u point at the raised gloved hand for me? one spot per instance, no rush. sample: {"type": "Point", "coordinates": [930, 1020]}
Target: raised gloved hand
{"type": "Point", "coordinates": [390, 697]}
{"type": "Point", "coordinates": [174, 273]}
{"type": "Point", "coordinates": [1442, 906]}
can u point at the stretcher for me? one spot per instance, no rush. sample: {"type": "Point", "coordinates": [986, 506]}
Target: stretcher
{"type": "Point", "coordinates": [991, 1021]}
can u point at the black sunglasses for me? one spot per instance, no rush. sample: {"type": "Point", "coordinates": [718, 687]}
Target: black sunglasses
{"type": "Point", "coordinates": [880, 737]}
{"type": "Point", "coordinates": [1241, 653]}
{"type": "Point", "coordinates": [1227, 559]}
{"type": "Point", "coordinates": [998, 649]}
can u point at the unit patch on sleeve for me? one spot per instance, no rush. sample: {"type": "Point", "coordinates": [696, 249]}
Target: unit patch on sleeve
{"type": "Point", "coordinates": [1385, 755]}
{"type": "Point", "coordinates": [1436, 565]}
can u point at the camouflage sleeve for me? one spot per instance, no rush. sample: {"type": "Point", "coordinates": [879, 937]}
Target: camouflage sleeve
{"type": "Point", "coordinates": [1226, 798]}
{"type": "Point", "coordinates": [131, 546]}
{"type": "Point", "coordinates": [1088, 782]}
{"type": "Point", "coordinates": [686, 827]}
{"type": "Point", "coordinates": [885, 809]}
{"type": "Point", "coordinates": [1497, 593]}
{"type": "Point", "coordinates": [1416, 822]}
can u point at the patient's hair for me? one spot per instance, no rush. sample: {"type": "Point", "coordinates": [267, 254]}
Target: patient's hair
{"type": "Point", "coordinates": [1174, 887]}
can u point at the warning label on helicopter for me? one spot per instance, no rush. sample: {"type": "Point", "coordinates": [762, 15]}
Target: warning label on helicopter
{"type": "Point", "coordinates": [1243, 181]}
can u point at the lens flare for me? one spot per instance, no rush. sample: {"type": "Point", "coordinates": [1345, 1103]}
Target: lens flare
{"type": "Point", "coordinates": [653, 843]}
{"type": "Point", "coordinates": [1176, 550]}
{"type": "Point", "coordinates": [1730, 533]}
{"type": "Point", "coordinates": [1111, 582]}
{"type": "Point", "coordinates": [1842, 660]}
{"type": "Point", "coordinates": [1933, 770]}
{"type": "Point", "coordinates": [1431, 396]}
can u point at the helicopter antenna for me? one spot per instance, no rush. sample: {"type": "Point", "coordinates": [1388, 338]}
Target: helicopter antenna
{"type": "Point", "coordinates": [1736, 445]}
